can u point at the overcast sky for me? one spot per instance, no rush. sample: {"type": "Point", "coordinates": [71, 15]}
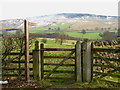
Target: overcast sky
{"type": "Point", "coordinates": [10, 9]}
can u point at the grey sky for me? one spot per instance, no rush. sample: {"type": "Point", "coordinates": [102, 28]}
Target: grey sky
{"type": "Point", "coordinates": [29, 8]}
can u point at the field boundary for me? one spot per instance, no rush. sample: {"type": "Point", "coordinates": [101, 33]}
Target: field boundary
{"type": "Point", "coordinates": [90, 62]}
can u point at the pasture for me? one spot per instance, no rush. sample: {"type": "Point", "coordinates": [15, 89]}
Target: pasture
{"type": "Point", "coordinates": [14, 59]}
{"type": "Point", "coordinates": [51, 27]}
{"type": "Point", "coordinates": [52, 44]}
{"type": "Point", "coordinates": [90, 34]}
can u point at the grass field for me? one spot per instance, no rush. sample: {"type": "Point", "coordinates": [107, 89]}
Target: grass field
{"type": "Point", "coordinates": [61, 26]}
{"type": "Point", "coordinates": [66, 44]}
{"type": "Point", "coordinates": [90, 34]}
{"type": "Point", "coordinates": [51, 44]}
{"type": "Point", "coordinates": [65, 83]}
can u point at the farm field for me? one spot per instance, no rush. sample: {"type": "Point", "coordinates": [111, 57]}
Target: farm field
{"type": "Point", "coordinates": [56, 83]}
{"type": "Point", "coordinates": [90, 34]}
{"type": "Point", "coordinates": [51, 27]}
{"type": "Point", "coordinates": [65, 83]}
{"type": "Point", "coordinates": [77, 34]}
{"type": "Point", "coordinates": [51, 43]}
{"type": "Point", "coordinates": [92, 24]}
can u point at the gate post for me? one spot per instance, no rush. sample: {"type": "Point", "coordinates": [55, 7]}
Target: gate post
{"type": "Point", "coordinates": [78, 62]}
{"type": "Point", "coordinates": [37, 73]}
{"type": "Point", "coordinates": [87, 61]}
{"type": "Point", "coordinates": [42, 60]}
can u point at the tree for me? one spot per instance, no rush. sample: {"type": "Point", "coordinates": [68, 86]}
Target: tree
{"type": "Point", "coordinates": [102, 28]}
{"type": "Point", "coordinates": [44, 40]}
{"type": "Point", "coordinates": [49, 28]}
{"type": "Point", "coordinates": [13, 43]}
{"type": "Point", "coordinates": [19, 32]}
{"type": "Point", "coordinates": [108, 35]}
{"type": "Point", "coordinates": [109, 28]}
{"type": "Point", "coordinates": [83, 32]}
{"type": "Point", "coordinates": [60, 36]}
{"type": "Point", "coordinates": [96, 28]}
{"type": "Point", "coordinates": [4, 33]}
{"type": "Point", "coordinates": [58, 28]}
{"type": "Point", "coordinates": [100, 34]}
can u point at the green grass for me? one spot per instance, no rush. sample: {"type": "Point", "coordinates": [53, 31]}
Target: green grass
{"type": "Point", "coordinates": [114, 79]}
{"type": "Point", "coordinates": [52, 44]}
{"type": "Point", "coordinates": [61, 26]}
{"type": "Point", "coordinates": [67, 44]}
{"type": "Point", "coordinates": [89, 34]}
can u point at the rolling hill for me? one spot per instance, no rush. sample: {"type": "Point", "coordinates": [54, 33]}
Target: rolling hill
{"type": "Point", "coordinates": [75, 21]}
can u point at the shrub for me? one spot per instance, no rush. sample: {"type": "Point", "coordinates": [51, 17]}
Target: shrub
{"type": "Point", "coordinates": [44, 40]}
{"type": "Point", "coordinates": [73, 43]}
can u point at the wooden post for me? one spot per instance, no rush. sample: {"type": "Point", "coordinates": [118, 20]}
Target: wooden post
{"type": "Point", "coordinates": [27, 77]}
{"type": "Point", "coordinates": [87, 61]}
{"type": "Point", "coordinates": [37, 64]}
{"type": "Point", "coordinates": [92, 60]}
{"type": "Point", "coordinates": [78, 62]}
{"type": "Point", "coordinates": [42, 60]}
{"type": "Point", "coordinates": [1, 63]}
{"type": "Point", "coordinates": [119, 20]}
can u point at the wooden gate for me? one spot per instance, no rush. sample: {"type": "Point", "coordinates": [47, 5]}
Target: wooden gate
{"type": "Point", "coordinates": [81, 62]}
{"type": "Point", "coordinates": [46, 65]}
{"type": "Point", "coordinates": [60, 63]}
{"type": "Point", "coordinates": [106, 64]}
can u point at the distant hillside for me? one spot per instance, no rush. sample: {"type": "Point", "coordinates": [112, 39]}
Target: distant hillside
{"type": "Point", "coordinates": [77, 21]}
{"type": "Point", "coordinates": [80, 15]}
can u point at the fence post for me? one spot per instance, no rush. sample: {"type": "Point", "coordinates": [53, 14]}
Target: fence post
{"type": "Point", "coordinates": [37, 62]}
{"type": "Point", "coordinates": [27, 74]}
{"type": "Point", "coordinates": [42, 59]}
{"type": "Point", "coordinates": [78, 62]}
{"type": "Point", "coordinates": [87, 61]}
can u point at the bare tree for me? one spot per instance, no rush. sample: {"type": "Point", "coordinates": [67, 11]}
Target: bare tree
{"type": "Point", "coordinates": [13, 44]}
{"type": "Point", "coordinates": [60, 37]}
